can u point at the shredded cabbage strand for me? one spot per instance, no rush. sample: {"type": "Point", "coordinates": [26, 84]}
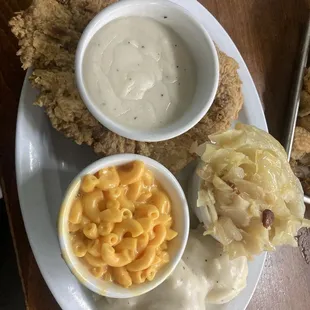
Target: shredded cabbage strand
{"type": "Point", "coordinates": [245, 171]}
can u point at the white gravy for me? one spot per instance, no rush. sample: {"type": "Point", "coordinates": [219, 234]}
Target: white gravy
{"type": "Point", "coordinates": [139, 72]}
{"type": "Point", "coordinates": [204, 276]}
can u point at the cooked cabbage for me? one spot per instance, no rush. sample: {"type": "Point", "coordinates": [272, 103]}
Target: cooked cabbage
{"type": "Point", "coordinates": [245, 175]}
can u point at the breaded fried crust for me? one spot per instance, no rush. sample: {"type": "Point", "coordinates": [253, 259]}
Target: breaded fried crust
{"type": "Point", "coordinates": [48, 33]}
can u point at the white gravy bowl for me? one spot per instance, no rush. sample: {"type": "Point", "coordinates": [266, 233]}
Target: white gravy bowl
{"type": "Point", "coordinates": [200, 46]}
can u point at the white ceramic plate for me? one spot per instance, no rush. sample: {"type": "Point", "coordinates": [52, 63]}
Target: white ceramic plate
{"type": "Point", "coordinates": [46, 162]}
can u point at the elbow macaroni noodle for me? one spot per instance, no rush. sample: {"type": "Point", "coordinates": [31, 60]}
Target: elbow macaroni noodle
{"type": "Point", "coordinates": [120, 224]}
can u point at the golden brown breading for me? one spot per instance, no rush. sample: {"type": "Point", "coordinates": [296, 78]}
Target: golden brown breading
{"type": "Point", "coordinates": [304, 108]}
{"type": "Point", "coordinates": [304, 122]}
{"type": "Point", "coordinates": [301, 144]}
{"type": "Point", "coordinates": [302, 173]}
{"type": "Point", "coordinates": [49, 30]}
{"type": "Point", "coordinates": [306, 85]}
{"type": "Point", "coordinates": [48, 33]}
{"type": "Point", "coordinates": [300, 156]}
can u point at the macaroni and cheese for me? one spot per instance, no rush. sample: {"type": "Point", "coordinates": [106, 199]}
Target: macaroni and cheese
{"type": "Point", "coordinates": [121, 225]}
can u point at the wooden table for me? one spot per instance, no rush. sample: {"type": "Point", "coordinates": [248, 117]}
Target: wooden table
{"type": "Point", "coordinates": [267, 34]}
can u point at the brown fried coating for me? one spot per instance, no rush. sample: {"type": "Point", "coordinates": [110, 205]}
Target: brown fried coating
{"type": "Point", "coordinates": [306, 85]}
{"type": "Point", "coordinates": [48, 33]}
{"type": "Point", "coordinates": [300, 156]}
{"type": "Point", "coordinates": [301, 145]}
{"type": "Point", "coordinates": [301, 170]}
{"type": "Point", "coordinates": [49, 30]}
{"type": "Point", "coordinates": [304, 108]}
{"type": "Point", "coordinates": [304, 122]}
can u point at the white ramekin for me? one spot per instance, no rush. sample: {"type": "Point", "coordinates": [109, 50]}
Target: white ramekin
{"type": "Point", "coordinates": [176, 246]}
{"type": "Point", "coordinates": [199, 43]}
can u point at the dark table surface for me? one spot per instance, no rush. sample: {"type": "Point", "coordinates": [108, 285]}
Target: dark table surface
{"type": "Point", "coordinates": [11, 293]}
{"type": "Point", "coordinates": [267, 33]}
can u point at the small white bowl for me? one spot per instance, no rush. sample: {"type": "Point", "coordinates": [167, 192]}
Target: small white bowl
{"type": "Point", "coordinates": [176, 248]}
{"type": "Point", "coordinates": [199, 43]}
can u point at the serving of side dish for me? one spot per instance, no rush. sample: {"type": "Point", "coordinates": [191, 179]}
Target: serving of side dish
{"type": "Point", "coordinates": [46, 163]}
{"type": "Point", "coordinates": [170, 188]}
{"type": "Point", "coordinates": [167, 84]}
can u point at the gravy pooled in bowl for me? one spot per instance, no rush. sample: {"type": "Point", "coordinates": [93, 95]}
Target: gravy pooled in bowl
{"type": "Point", "coordinates": [139, 72]}
{"type": "Point", "coordinates": [120, 224]}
